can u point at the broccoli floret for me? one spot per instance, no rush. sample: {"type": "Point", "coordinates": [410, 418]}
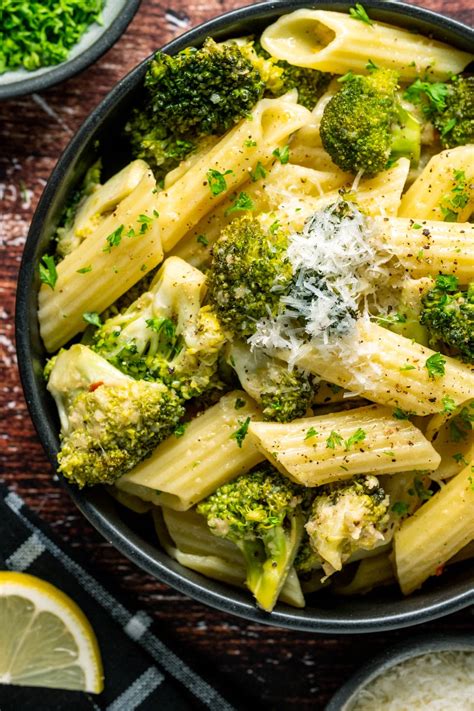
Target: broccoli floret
{"type": "Point", "coordinates": [282, 393]}
{"type": "Point", "coordinates": [249, 273]}
{"type": "Point", "coordinates": [166, 335]}
{"type": "Point", "coordinates": [364, 124]}
{"type": "Point", "coordinates": [450, 106]}
{"type": "Point", "coordinates": [261, 513]}
{"type": "Point", "coordinates": [448, 314]}
{"type": "Point", "coordinates": [307, 559]}
{"type": "Point", "coordinates": [347, 517]}
{"type": "Point", "coordinates": [196, 93]}
{"type": "Point", "coordinates": [109, 422]}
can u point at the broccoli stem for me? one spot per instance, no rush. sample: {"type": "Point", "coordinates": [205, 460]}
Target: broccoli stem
{"type": "Point", "coordinates": [281, 547]}
{"type": "Point", "coordinates": [406, 137]}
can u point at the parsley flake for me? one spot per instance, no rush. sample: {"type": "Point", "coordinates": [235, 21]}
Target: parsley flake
{"type": "Point", "coordinates": [435, 365]}
{"type": "Point", "coordinates": [358, 13]}
{"type": "Point", "coordinates": [84, 270]}
{"type": "Point", "coordinates": [283, 154]}
{"type": "Point", "coordinates": [258, 173]}
{"type": "Point", "coordinates": [333, 440]}
{"type": "Point", "coordinates": [240, 434]}
{"type": "Point", "coordinates": [310, 433]}
{"type": "Point", "coordinates": [202, 239]}
{"type": "Point", "coordinates": [47, 271]}
{"type": "Point", "coordinates": [217, 181]}
{"type": "Point", "coordinates": [242, 202]}
{"type": "Point", "coordinates": [358, 436]}
{"type": "Point", "coordinates": [114, 239]}
{"type": "Point", "coordinates": [93, 318]}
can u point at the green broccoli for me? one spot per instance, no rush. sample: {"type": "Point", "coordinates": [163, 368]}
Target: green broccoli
{"type": "Point", "coordinates": [283, 394]}
{"type": "Point", "coordinates": [448, 314]}
{"type": "Point", "coordinates": [109, 421]}
{"type": "Point", "coordinates": [89, 184]}
{"type": "Point", "coordinates": [249, 273]}
{"type": "Point", "coordinates": [307, 560]}
{"type": "Point", "coordinates": [347, 517]}
{"type": "Point", "coordinates": [364, 124]}
{"type": "Point", "coordinates": [196, 93]}
{"type": "Point", "coordinates": [261, 513]}
{"type": "Point", "coordinates": [166, 335]}
{"type": "Point", "coordinates": [450, 106]}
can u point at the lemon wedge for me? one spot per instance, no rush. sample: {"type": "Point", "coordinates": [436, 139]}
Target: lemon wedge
{"type": "Point", "coordinates": [45, 639]}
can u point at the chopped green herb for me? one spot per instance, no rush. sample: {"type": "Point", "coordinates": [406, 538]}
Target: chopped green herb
{"type": "Point", "coordinates": [258, 173]}
{"type": "Point", "coordinates": [202, 239]}
{"type": "Point", "coordinates": [145, 223]}
{"type": "Point", "coordinates": [93, 318]}
{"type": "Point", "coordinates": [358, 436]}
{"type": "Point", "coordinates": [435, 365]}
{"type": "Point", "coordinates": [408, 367]}
{"type": "Point", "coordinates": [333, 440]}
{"type": "Point", "coordinates": [310, 433]}
{"type": "Point", "coordinates": [400, 414]}
{"type": "Point", "coordinates": [283, 154]}
{"type": "Point", "coordinates": [471, 480]}
{"type": "Point", "coordinates": [131, 232]}
{"type": "Point", "coordinates": [431, 94]}
{"type": "Point", "coordinates": [400, 508]}
{"type": "Point", "coordinates": [459, 458]}
{"type": "Point", "coordinates": [249, 143]}
{"type": "Point", "coordinates": [358, 13]}
{"type": "Point", "coordinates": [241, 202]}
{"type": "Point", "coordinates": [240, 434]}
{"type": "Point", "coordinates": [389, 453]}
{"type": "Point", "coordinates": [449, 405]}
{"type": "Point", "coordinates": [47, 271]}
{"type": "Point", "coordinates": [180, 430]}
{"type": "Point", "coordinates": [455, 201]}
{"type": "Point", "coordinates": [416, 226]}
{"type": "Point", "coordinates": [371, 66]}
{"type": "Point", "coordinates": [217, 181]}
{"type": "Point", "coordinates": [162, 325]}
{"type": "Point", "coordinates": [420, 490]}
{"type": "Point", "coordinates": [84, 270]}
{"type": "Point", "coordinates": [274, 227]}
{"type": "Point", "coordinates": [114, 239]}
{"type": "Point", "coordinates": [239, 403]}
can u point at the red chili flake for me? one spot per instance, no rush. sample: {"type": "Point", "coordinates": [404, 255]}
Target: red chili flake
{"type": "Point", "coordinates": [94, 386]}
{"type": "Point", "coordinates": [440, 569]}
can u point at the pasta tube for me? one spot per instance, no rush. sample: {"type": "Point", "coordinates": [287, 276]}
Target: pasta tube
{"type": "Point", "coordinates": [372, 572]}
{"type": "Point", "coordinates": [452, 436]}
{"type": "Point", "coordinates": [390, 369]}
{"type": "Point", "coordinates": [429, 247]}
{"type": "Point", "coordinates": [431, 194]}
{"type": "Point", "coordinates": [335, 42]}
{"type": "Point", "coordinates": [113, 258]}
{"type": "Point", "coordinates": [436, 532]}
{"type": "Point", "coordinates": [318, 450]}
{"type": "Point", "coordinates": [233, 158]}
{"type": "Point", "coordinates": [183, 470]}
{"type": "Point", "coordinates": [186, 538]}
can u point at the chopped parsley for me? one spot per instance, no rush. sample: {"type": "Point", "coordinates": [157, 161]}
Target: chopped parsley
{"type": "Point", "coordinates": [239, 403]}
{"type": "Point", "coordinates": [420, 490]}
{"type": "Point", "coordinates": [162, 325]}
{"type": "Point", "coordinates": [283, 154]}
{"type": "Point", "coordinates": [144, 221]}
{"type": "Point", "coordinates": [47, 271]}
{"type": "Point", "coordinates": [274, 227]}
{"type": "Point", "coordinates": [310, 433]}
{"type": "Point", "coordinates": [455, 201]}
{"type": "Point", "coordinates": [114, 239]}
{"type": "Point", "coordinates": [389, 453]}
{"type": "Point", "coordinates": [431, 94]}
{"type": "Point", "coordinates": [435, 365]}
{"type": "Point", "coordinates": [84, 270]}
{"type": "Point", "coordinates": [241, 202]}
{"type": "Point", "coordinates": [249, 143]}
{"type": "Point", "coordinates": [240, 434]}
{"type": "Point", "coordinates": [93, 318]}
{"type": "Point", "coordinates": [358, 13]}
{"type": "Point", "coordinates": [217, 181]}
{"type": "Point", "coordinates": [371, 66]}
{"type": "Point", "coordinates": [258, 173]}
{"type": "Point", "coordinates": [400, 414]}
{"type": "Point", "coordinates": [202, 239]}
{"type": "Point", "coordinates": [333, 440]}
{"type": "Point", "coordinates": [400, 508]}
{"type": "Point", "coordinates": [459, 458]}
{"type": "Point", "coordinates": [358, 436]}
{"type": "Point", "coordinates": [408, 367]}
{"type": "Point", "coordinates": [449, 405]}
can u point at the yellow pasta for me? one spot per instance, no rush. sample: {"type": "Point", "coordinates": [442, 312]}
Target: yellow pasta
{"type": "Point", "coordinates": [335, 42]}
{"type": "Point", "coordinates": [430, 195]}
{"type": "Point", "coordinates": [115, 256]}
{"type": "Point", "coordinates": [183, 470]}
{"type": "Point", "coordinates": [391, 370]}
{"type": "Point", "coordinates": [429, 247]}
{"type": "Point", "coordinates": [186, 538]}
{"type": "Point", "coordinates": [318, 450]}
{"type": "Point", "coordinates": [235, 156]}
{"type": "Point", "coordinates": [436, 532]}
{"type": "Point", "coordinates": [372, 572]}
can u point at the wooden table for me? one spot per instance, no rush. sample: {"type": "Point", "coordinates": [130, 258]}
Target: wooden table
{"type": "Point", "coordinates": [277, 668]}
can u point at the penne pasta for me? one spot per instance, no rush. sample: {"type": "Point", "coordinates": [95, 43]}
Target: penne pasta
{"type": "Point", "coordinates": [431, 195]}
{"type": "Point", "coordinates": [335, 42]}
{"type": "Point", "coordinates": [337, 446]}
{"type": "Point", "coordinates": [124, 247]}
{"type": "Point", "coordinates": [391, 370]}
{"type": "Point", "coordinates": [183, 470]}
{"type": "Point", "coordinates": [372, 572]}
{"type": "Point", "coordinates": [436, 532]}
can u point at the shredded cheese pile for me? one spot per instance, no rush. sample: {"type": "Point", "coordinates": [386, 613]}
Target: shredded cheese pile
{"type": "Point", "coordinates": [442, 681]}
{"type": "Point", "coordinates": [337, 269]}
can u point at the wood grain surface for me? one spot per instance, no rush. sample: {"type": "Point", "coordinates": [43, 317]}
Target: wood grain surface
{"type": "Point", "coordinates": [276, 668]}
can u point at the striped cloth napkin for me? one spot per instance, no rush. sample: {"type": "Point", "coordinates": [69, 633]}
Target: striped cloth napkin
{"type": "Point", "coordinates": [141, 671]}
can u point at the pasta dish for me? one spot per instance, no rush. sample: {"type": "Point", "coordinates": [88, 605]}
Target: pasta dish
{"type": "Point", "coordinates": [261, 329]}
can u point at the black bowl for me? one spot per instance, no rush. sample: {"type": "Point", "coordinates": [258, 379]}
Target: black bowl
{"type": "Point", "coordinates": [345, 698]}
{"type": "Point", "coordinates": [117, 15]}
{"type": "Point", "coordinates": [324, 613]}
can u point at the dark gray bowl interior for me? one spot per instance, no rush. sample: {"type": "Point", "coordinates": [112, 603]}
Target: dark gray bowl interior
{"type": "Point", "coordinates": [324, 613]}
{"type": "Point", "coordinates": [117, 14]}
{"type": "Point", "coordinates": [345, 698]}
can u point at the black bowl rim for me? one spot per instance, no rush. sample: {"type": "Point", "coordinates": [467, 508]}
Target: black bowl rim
{"type": "Point", "coordinates": [70, 67]}
{"type": "Point", "coordinates": [402, 652]}
{"type": "Point", "coordinates": [148, 557]}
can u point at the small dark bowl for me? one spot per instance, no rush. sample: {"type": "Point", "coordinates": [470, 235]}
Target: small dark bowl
{"type": "Point", "coordinates": [345, 698]}
{"type": "Point", "coordinates": [117, 14]}
{"type": "Point", "coordinates": [324, 613]}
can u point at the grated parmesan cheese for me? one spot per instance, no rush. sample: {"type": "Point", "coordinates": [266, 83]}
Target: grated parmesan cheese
{"type": "Point", "coordinates": [441, 681]}
{"type": "Point", "coordinates": [338, 269]}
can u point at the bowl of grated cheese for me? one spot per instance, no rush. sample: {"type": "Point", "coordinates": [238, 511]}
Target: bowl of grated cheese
{"type": "Point", "coordinates": [430, 673]}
